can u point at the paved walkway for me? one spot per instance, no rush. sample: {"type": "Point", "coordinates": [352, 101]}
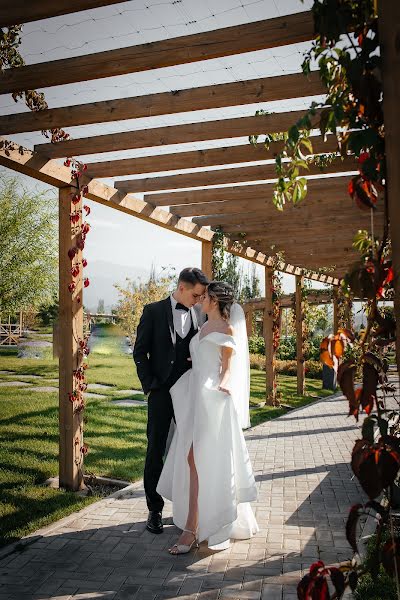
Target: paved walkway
{"type": "Point", "coordinates": [301, 462]}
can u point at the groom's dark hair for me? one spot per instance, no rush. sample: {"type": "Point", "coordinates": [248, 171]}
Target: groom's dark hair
{"type": "Point", "coordinates": [192, 276]}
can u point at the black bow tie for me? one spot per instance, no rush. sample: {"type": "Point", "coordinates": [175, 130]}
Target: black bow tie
{"type": "Point", "coordinates": [180, 306]}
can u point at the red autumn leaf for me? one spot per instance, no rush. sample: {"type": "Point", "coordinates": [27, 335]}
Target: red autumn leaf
{"type": "Point", "coordinates": [71, 287]}
{"type": "Point", "coordinates": [337, 346]}
{"type": "Point", "coordinates": [390, 556]}
{"type": "Point", "coordinates": [345, 377]}
{"type": "Point", "coordinates": [67, 162]}
{"type": "Point", "coordinates": [86, 282]}
{"type": "Point", "coordinates": [80, 243]}
{"type": "Point", "coordinates": [75, 199]}
{"type": "Point", "coordinates": [363, 192]}
{"type": "Point", "coordinates": [351, 526]}
{"type": "Point", "coordinates": [363, 157]}
{"type": "Point", "coordinates": [375, 465]}
{"type": "Point", "coordinates": [72, 252]}
{"type": "Point", "coordinates": [87, 209]}
{"type": "Point", "coordinates": [84, 262]}
{"type": "Point", "coordinates": [325, 354]}
{"type": "Point", "coordinates": [85, 227]}
{"type": "Point", "coordinates": [369, 387]}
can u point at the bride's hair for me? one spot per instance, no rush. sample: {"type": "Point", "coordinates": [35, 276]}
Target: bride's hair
{"type": "Point", "coordinates": [223, 293]}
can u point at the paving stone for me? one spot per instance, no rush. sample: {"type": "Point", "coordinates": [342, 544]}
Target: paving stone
{"type": "Point", "coordinates": [95, 396]}
{"type": "Point", "coordinates": [128, 392]}
{"type": "Point", "coordinates": [13, 384]}
{"type": "Point", "coordinates": [99, 386]}
{"type": "Point", "coordinates": [128, 402]}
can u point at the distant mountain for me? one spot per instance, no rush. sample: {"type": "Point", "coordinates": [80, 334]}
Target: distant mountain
{"type": "Point", "coordinates": [103, 275]}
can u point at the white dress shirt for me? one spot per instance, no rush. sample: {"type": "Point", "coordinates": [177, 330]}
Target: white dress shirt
{"type": "Point", "coordinates": [182, 319]}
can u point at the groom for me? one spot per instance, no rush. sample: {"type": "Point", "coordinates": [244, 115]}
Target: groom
{"type": "Point", "coordinates": [161, 355]}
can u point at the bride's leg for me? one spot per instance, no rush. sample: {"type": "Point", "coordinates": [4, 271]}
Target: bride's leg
{"type": "Point", "coordinates": [193, 514]}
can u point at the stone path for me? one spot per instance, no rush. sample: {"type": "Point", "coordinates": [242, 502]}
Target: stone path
{"type": "Point", "coordinates": [301, 463]}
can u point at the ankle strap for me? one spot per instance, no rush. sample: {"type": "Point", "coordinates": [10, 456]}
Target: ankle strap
{"type": "Point", "coordinates": [190, 531]}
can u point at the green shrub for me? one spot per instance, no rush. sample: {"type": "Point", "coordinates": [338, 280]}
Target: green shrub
{"type": "Point", "coordinates": [256, 345]}
{"type": "Point", "coordinates": [287, 348]}
{"type": "Point", "coordinates": [288, 367]}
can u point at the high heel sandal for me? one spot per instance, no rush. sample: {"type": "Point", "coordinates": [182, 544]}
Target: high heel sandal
{"type": "Point", "coordinates": [183, 548]}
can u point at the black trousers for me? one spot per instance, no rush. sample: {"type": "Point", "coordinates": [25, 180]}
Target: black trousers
{"type": "Point", "coordinates": [160, 413]}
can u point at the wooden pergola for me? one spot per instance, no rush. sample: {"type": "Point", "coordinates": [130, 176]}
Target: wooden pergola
{"type": "Point", "coordinates": [314, 235]}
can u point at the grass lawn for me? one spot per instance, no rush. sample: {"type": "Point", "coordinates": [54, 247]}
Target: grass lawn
{"type": "Point", "coordinates": [116, 435]}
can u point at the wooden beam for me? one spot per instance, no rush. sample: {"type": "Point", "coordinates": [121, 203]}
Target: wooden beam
{"type": "Point", "coordinates": [223, 176]}
{"type": "Point", "coordinates": [213, 96]}
{"type": "Point", "coordinates": [268, 331]}
{"type": "Point", "coordinates": [299, 336]}
{"type": "Point", "coordinates": [260, 208]}
{"type": "Point", "coordinates": [308, 213]}
{"type": "Point", "coordinates": [197, 158]}
{"type": "Point", "coordinates": [260, 258]}
{"type": "Point", "coordinates": [30, 163]}
{"type": "Point", "coordinates": [249, 37]}
{"type": "Point", "coordinates": [71, 332]}
{"type": "Point", "coordinates": [327, 185]}
{"type": "Point", "coordinates": [173, 134]}
{"type": "Point", "coordinates": [206, 259]}
{"type": "Point", "coordinates": [14, 12]}
{"type": "Point", "coordinates": [389, 35]}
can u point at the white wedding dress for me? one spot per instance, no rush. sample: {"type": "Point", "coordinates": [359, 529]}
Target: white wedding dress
{"type": "Point", "coordinates": [208, 419]}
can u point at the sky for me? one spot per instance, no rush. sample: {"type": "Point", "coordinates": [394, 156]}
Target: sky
{"type": "Point", "coordinates": [117, 239]}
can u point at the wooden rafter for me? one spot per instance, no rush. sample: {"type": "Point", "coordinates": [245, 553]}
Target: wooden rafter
{"type": "Point", "coordinates": [248, 192]}
{"type": "Point", "coordinates": [222, 176]}
{"type": "Point", "coordinates": [198, 158]}
{"type": "Point", "coordinates": [13, 12]}
{"type": "Point", "coordinates": [51, 172]}
{"type": "Point", "coordinates": [214, 96]}
{"type": "Point", "coordinates": [259, 35]}
{"type": "Point", "coordinates": [173, 134]}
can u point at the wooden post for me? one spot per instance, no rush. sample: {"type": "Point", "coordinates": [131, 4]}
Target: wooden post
{"type": "Point", "coordinates": [299, 336]}
{"type": "Point", "coordinates": [270, 390]}
{"type": "Point", "coordinates": [335, 310]}
{"type": "Point", "coordinates": [389, 34]}
{"type": "Point", "coordinates": [249, 322]}
{"type": "Point", "coordinates": [70, 331]}
{"type": "Point", "coordinates": [206, 259]}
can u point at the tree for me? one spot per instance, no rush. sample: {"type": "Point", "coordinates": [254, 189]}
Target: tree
{"type": "Point", "coordinates": [251, 285]}
{"type": "Point", "coordinates": [100, 307]}
{"type": "Point", "coordinates": [136, 294]}
{"type": "Point", "coordinates": [48, 312]}
{"type": "Point", "coordinates": [28, 247]}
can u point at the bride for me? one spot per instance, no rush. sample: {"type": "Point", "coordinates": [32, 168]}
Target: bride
{"type": "Point", "coordinates": [207, 473]}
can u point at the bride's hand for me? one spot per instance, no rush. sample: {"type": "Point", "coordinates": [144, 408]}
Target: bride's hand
{"type": "Point", "coordinates": [224, 389]}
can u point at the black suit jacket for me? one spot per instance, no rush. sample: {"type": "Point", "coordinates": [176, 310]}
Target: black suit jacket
{"type": "Point", "coordinates": [154, 350]}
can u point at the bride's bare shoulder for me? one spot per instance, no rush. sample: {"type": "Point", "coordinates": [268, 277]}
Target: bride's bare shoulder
{"type": "Point", "coordinates": [229, 330]}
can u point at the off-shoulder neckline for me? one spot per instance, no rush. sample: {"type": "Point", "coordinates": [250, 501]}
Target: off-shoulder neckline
{"type": "Point", "coordinates": [213, 332]}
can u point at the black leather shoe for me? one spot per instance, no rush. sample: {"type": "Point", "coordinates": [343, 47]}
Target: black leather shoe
{"type": "Point", "coordinates": [154, 522]}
